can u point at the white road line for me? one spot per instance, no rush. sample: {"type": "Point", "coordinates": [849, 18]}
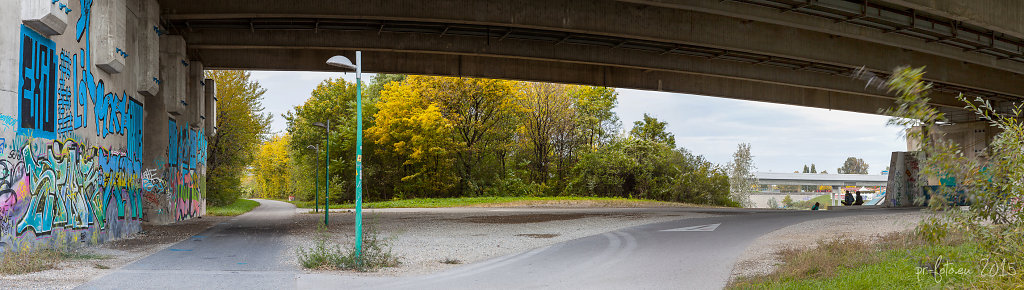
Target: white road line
{"type": "Point", "coordinates": [701, 228]}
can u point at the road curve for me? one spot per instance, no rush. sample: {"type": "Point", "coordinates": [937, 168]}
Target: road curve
{"type": "Point", "coordinates": [242, 253]}
{"type": "Point", "coordinates": [698, 253]}
{"type": "Point", "coordinates": [683, 254]}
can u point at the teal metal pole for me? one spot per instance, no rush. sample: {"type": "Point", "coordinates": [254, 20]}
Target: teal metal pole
{"type": "Point", "coordinates": [359, 155]}
{"type": "Point", "coordinates": [327, 174]}
{"type": "Point", "coordinates": [316, 197]}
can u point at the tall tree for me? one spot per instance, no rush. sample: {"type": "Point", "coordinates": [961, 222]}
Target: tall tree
{"type": "Point", "coordinates": [853, 165]}
{"type": "Point", "coordinates": [546, 116]}
{"type": "Point", "coordinates": [813, 170]}
{"type": "Point", "coordinates": [480, 113]}
{"type": "Point", "coordinates": [411, 128]}
{"type": "Point", "coordinates": [651, 129]}
{"type": "Point", "coordinates": [807, 169]}
{"type": "Point", "coordinates": [741, 175]}
{"type": "Point", "coordinates": [241, 125]}
{"type": "Point", "coordinates": [272, 168]}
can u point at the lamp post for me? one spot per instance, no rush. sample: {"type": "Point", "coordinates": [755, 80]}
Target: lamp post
{"type": "Point", "coordinates": [316, 194]}
{"type": "Point", "coordinates": [327, 170]}
{"type": "Point", "coordinates": [344, 62]}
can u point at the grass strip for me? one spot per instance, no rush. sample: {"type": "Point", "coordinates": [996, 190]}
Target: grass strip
{"type": "Point", "coordinates": [240, 206]}
{"type": "Point", "coordinates": [502, 200]}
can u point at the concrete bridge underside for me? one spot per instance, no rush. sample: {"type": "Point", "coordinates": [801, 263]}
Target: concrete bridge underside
{"type": "Point", "coordinates": [751, 50]}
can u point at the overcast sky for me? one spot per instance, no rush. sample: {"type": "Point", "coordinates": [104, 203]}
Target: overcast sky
{"type": "Point", "coordinates": [783, 138]}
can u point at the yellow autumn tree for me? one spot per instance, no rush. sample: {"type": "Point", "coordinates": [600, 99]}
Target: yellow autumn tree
{"type": "Point", "coordinates": [410, 126]}
{"type": "Point", "coordinates": [272, 168]}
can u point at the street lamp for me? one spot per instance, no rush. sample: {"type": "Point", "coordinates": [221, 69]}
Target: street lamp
{"type": "Point", "coordinates": [316, 193]}
{"type": "Point", "coordinates": [344, 62]}
{"type": "Point", "coordinates": [327, 170]}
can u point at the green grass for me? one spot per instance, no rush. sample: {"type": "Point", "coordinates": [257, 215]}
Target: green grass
{"type": "Point", "coordinates": [825, 200]}
{"type": "Point", "coordinates": [240, 206]}
{"type": "Point", "coordinates": [847, 264]}
{"type": "Point", "coordinates": [491, 201]}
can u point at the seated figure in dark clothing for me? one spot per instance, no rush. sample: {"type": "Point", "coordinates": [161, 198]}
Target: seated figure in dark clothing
{"type": "Point", "coordinates": [859, 200]}
{"type": "Point", "coordinates": [848, 200]}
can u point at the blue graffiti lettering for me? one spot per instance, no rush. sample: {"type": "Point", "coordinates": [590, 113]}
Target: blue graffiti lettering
{"type": "Point", "coordinates": [36, 96]}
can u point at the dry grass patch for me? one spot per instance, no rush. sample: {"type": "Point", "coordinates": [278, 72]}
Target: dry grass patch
{"type": "Point", "coordinates": [21, 262]}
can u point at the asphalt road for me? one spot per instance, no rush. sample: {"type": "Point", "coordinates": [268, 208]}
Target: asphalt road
{"type": "Point", "coordinates": [684, 254]}
{"type": "Point", "coordinates": [242, 253]}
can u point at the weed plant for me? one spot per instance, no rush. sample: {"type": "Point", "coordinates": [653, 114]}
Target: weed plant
{"type": "Point", "coordinates": [329, 255]}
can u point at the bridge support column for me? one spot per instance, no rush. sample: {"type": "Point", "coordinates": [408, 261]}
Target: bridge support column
{"type": "Point", "coordinates": [903, 186]}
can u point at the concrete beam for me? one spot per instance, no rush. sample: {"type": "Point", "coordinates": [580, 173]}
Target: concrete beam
{"type": "Point", "coordinates": [823, 25]}
{"type": "Point", "coordinates": [47, 18]}
{"type": "Point", "coordinates": [534, 50]}
{"type": "Point", "coordinates": [147, 48]}
{"type": "Point", "coordinates": [210, 114]}
{"type": "Point", "coordinates": [633, 21]}
{"type": "Point", "coordinates": [1006, 16]}
{"type": "Point", "coordinates": [107, 34]}
{"type": "Point", "coordinates": [548, 71]}
{"type": "Point", "coordinates": [173, 73]}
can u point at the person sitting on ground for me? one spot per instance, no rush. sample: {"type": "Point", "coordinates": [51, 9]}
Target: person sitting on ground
{"type": "Point", "coordinates": [848, 200]}
{"type": "Point", "coordinates": [816, 206]}
{"type": "Point", "coordinates": [859, 200]}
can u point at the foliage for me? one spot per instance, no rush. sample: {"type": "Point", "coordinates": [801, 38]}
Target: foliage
{"type": "Point", "coordinates": [853, 165]}
{"type": "Point", "coordinates": [651, 129]}
{"type": "Point", "coordinates": [327, 254]}
{"type": "Point", "coordinates": [241, 126]}
{"type": "Point", "coordinates": [741, 175]}
{"type": "Point", "coordinates": [463, 137]}
{"type": "Point", "coordinates": [271, 168]}
{"type": "Point", "coordinates": [773, 203]}
{"type": "Point", "coordinates": [787, 201]}
{"type": "Point", "coordinates": [238, 207]}
{"type": "Point", "coordinates": [639, 168]}
{"type": "Point", "coordinates": [991, 183]}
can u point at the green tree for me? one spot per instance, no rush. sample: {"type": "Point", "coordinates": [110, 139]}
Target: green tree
{"type": "Point", "coordinates": [651, 129]}
{"type": "Point", "coordinates": [813, 170]}
{"type": "Point", "coordinates": [787, 201]}
{"type": "Point", "coordinates": [641, 168]}
{"type": "Point", "coordinates": [741, 175]}
{"type": "Point", "coordinates": [547, 122]}
{"type": "Point", "coordinates": [241, 125]}
{"type": "Point", "coordinates": [853, 165]}
{"type": "Point", "coordinates": [807, 169]}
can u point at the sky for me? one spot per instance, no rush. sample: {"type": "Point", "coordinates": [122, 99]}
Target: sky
{"type": "Point", "coordinates": [783, 138]}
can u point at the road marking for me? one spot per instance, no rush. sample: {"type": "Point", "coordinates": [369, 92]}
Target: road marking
{"type": "Point", "coordinates": [703, 228]}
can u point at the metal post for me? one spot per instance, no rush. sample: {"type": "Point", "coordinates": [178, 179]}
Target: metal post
{"type": "Point", "coordinates": [327, 174]}
{"type": "Point", "coordinates": [359, 155]}
{"type": "Point", "coordinates": [316, 195]}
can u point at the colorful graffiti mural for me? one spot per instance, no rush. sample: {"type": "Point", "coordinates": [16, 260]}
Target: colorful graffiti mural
{"type": "Point", "coordinates": [71, 151]}
{"type": "Point", "coordinates": [186, 153]}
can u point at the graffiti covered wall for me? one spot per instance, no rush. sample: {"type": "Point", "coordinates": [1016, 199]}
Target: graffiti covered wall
{"type": "Point", "coordinates": [75, 76]}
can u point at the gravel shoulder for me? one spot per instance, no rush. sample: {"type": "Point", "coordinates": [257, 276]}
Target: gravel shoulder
{"type": "Point", "coordinates": [423, 238]}
{"type": "Point", "coordinates": [116, 254]}
{"type": "Point", "coordinates": [760, 257]}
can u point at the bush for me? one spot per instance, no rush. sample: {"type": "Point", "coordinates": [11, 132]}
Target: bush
{"type": "Point", "coordinates": [222, 187]}
{"type": "Point", "coordinates": [326, 254]}
{"type": "Point", "coordinates": [637, 168]}
{"type": "Point", "coordinates": [514, 186]}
